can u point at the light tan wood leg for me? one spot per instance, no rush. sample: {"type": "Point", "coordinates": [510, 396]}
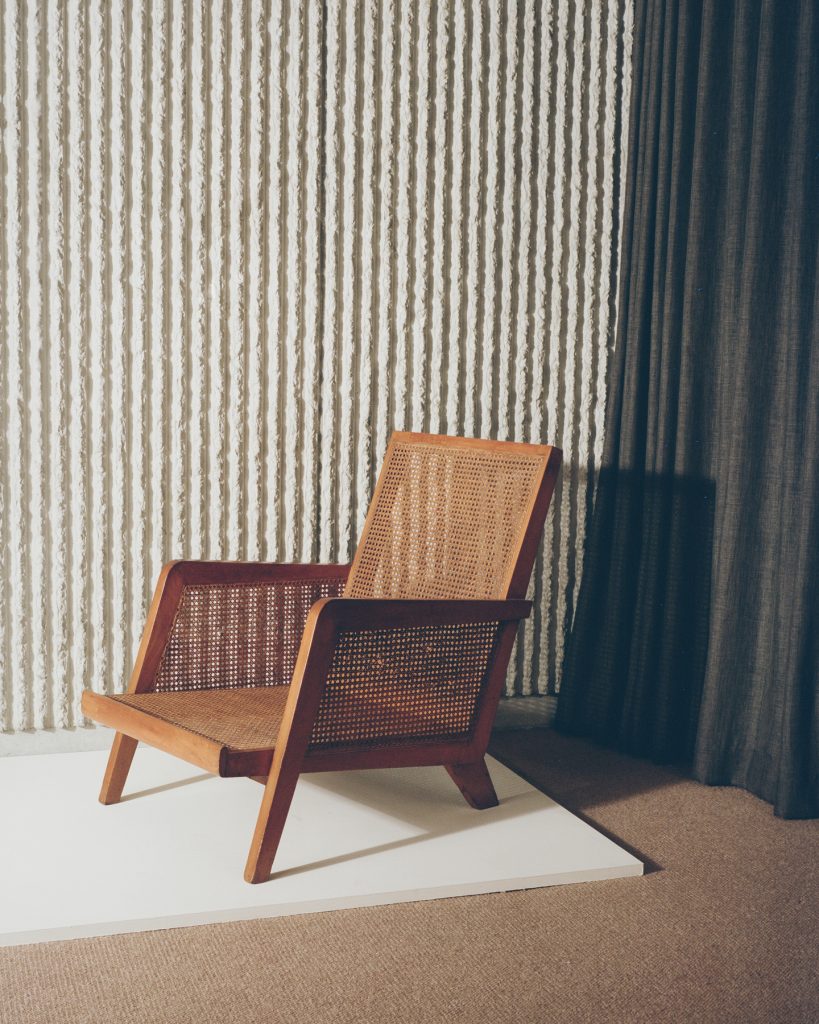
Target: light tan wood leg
{"type": "Point", "coordinates": [119, 764]}
{"type": "Point", "coordinates": [474, 782]}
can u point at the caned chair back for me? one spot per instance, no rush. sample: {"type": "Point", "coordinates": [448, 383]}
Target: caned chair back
{"type": "Point", "coordinates": [453, 518]}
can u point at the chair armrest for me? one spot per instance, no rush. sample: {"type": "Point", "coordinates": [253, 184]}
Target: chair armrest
{"type": "Point", "coordinates": [356, 613]}
{"type": "Point", "coordinates": [192, 572]}
{"type": "Point", "coordinates": [207, 613]}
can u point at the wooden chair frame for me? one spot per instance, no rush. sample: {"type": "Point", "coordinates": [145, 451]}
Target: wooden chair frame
{"type": "Point", "coordinates": [329, 619]}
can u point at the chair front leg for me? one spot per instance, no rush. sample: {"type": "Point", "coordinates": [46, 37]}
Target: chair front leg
{"type": "Point", "coordinates": [119, 764]}
{"type": "Point", "coordinates": [309, 675]}
{"type": "Point", "coordinates": [278, 795]}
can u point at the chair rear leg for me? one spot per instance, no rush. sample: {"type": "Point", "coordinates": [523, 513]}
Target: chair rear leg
{"type": "Point", "coordinates": [119, 764]}
{"type": "Point", "coordinates": [474, 782]}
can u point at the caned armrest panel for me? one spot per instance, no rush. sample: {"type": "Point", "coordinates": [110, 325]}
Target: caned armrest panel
{"type": "Point", "coordinates": [408, 671]}
{"type": "Point", "coordinates": [240, 624]}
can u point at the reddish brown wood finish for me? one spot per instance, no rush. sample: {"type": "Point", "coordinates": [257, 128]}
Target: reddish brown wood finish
{"type": "Point", "coordinates": [278, 767]}
{"type": "Point", "coordinates": [474, 782]}
{"type": "Point", "coordinates": [308, 679]}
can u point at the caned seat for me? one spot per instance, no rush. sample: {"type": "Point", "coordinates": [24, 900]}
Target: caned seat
{"type": "Point", "coordinates": [235, 721]}
{"type": "Point", "coordinates": [269, 670]}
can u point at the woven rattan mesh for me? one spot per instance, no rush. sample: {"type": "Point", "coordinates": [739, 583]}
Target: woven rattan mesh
{"type": "Point", "coordinates": [448, 522]}
{"type": "Point", "coordinates": [388, 686]}
{"type": "Point", "coordinates": [231, 635]}
{"type": "Point", "coordinates": [243, 719]}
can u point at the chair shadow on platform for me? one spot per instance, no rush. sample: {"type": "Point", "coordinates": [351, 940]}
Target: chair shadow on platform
{"type": "Point", "coordinates": [405, 796]}
{"type": "Point", "coordinates": [177, 784]}
{"type": "Point", "coordinates": [435, 818]}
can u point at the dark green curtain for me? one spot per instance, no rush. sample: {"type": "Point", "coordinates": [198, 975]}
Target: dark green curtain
{"type": "Point", "coordinates": [696, 633]}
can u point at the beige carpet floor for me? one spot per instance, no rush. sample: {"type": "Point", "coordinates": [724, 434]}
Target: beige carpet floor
{"type": "Point", "coordinates": [723, 928]}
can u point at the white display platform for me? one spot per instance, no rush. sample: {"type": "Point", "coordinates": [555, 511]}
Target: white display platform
{"type": "Point", "coordinates": [172, 853]}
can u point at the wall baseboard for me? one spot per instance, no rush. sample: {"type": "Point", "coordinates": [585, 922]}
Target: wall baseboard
{"type": "Point", "coordinates": [54, 741]}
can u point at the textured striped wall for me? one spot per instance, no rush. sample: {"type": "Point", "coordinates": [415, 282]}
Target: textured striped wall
{"type": "Point", "coordinates": [241, 242]}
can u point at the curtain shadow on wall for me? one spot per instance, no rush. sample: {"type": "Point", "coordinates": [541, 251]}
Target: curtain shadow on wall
{"type": "Point", "coordinates": [636, 659]}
